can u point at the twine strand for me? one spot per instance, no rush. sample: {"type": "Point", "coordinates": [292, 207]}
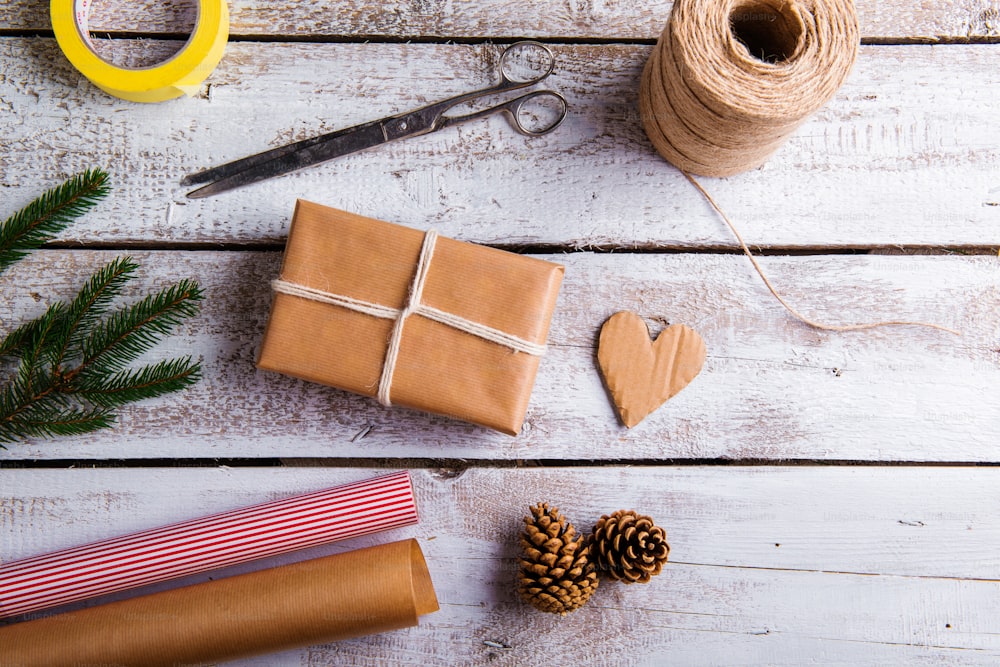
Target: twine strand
{"type": "Point", "coordinates": [795, 313]}
{"type": "Point", "coordinates": [413, 306]}
{"type": "Point", "coordinates": [305, 292]}
{"type": "Point", "coordinates": [412, 303]}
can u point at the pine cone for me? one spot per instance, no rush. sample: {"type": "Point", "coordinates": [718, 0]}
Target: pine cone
{"type": "Point", "coordinates": [556, 574]}
{"type": "Point", "coordinates": [628, 547]}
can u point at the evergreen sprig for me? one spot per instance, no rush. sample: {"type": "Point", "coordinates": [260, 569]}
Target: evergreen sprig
{"type": "Point", "coordinates": [45, 217]}
{"type": "Point", "coordinates": [73, 359]}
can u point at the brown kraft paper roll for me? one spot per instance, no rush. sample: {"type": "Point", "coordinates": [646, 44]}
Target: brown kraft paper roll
{"type": "Point", "coordinates": [360, 592]}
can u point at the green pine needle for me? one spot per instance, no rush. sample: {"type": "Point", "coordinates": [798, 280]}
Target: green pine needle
{"type": "Point", "coordinates": [52, 421]}
{"type": "Point", "coordinates": [92, 301]}
{"type": "Point", "coordinates": [17, 338]}
{"type": "Point", "coordinates": [74, 358]}
{"type": "Point", "coordinates": [36, 347]}
{"type": "Point", "coordinates": [132, 331]}
{"type": "Point", "coordinates": [45, 217]}
{"type": "Point", "coordinates": [135, 385]}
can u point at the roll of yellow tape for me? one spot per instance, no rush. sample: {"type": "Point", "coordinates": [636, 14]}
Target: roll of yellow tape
{"type": "Point", "coordinates": [182, 74]}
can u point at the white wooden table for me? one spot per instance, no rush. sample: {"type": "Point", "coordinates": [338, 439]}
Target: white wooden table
{"type": "Point", "coordinates": [829, 498]}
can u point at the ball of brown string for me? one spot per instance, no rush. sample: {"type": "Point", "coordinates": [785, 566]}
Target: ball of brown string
{"type": "Point", "coordinates": [730, 80]}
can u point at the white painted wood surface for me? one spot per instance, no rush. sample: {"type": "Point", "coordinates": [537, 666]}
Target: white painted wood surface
{"type": "Point", "coordinates": [950, 20]}
{"type": "Point", "coordinates": [768, 566]}
{"type": "Point", "coordinates": [822, 563]}
{"type": "Point", "coordinates": [772, 388]}
{"type": "Point", "coordinates": [903, 155]}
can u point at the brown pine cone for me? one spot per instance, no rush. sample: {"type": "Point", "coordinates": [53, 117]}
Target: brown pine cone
{"type": "Point", "coordinates": [628, 547]}
{"type": "Point", "coordinates": [556, 574]}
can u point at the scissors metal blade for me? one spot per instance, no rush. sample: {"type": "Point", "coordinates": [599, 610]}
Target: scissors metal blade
{"type": "Point", "coordinates": [287, 158]}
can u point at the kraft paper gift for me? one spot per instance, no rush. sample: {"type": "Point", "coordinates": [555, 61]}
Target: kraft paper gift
{"type": "Point", "coordinates": [458, 328]}
{"type": "Point", "coordinates": [356, 593]}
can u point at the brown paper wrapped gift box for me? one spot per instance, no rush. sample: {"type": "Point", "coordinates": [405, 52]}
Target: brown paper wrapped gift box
{"type": "Point", "coordinates": [440, 368]}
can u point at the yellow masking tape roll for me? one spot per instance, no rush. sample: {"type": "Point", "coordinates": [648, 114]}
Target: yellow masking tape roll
{"type": "Point", "coordinates": [180, 75]}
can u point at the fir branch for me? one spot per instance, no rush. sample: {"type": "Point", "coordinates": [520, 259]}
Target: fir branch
{"type": "Point", "coordinates": [133, 330]}
{"type": "Point", "coordinates": [73, 364]}
{"type": "Point", "coordinates": [128, 386]}
{"type": "Point", "coordinates": [36, 348]}
{"type": "Point", "coordinates": [51, 421]}
{"type": "Point", "coordinates": [16, 339]}
{"type": "Point", "coordinates": [92, 301]}
{"type": "Point", "coordinates": [49, 398]}
{"type": "Point", "coordinates": [45, 217]}
{"type": "Point", "coordinates": [33, 383]}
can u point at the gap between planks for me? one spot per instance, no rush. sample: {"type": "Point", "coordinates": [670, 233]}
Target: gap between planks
{"type": "Point", "coordinates": [403, 39]}
{"type": "Point", "coordinates": [760, 250]}
{"type": "Point", "coordinates": [375, 38]}
{"type": "Point", "coordinates": [455, 467]}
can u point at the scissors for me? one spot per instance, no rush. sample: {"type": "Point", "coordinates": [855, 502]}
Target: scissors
{"type": "Point", "coordinates": [521, 64]}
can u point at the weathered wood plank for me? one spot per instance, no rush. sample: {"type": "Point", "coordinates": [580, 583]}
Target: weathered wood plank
{"type": "Point", "coordinates": [480, 19]}
{"type": "Point", "coordinates": [900, 157]}
{"type": "Point", "coordinates": [772, 388]}
{"type": "Point", "coordinates": [773, 565]}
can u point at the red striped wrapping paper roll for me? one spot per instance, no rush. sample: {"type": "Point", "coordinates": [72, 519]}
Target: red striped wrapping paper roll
{"type": "Point", "coordinates": [203, 544]}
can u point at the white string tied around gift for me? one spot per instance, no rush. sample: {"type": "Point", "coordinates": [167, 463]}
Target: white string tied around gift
{"type": "Point", "coordinates": [413, 306]}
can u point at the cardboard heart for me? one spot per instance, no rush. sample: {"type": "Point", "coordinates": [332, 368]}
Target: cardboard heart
{"type": "Point", "coordinates": [641, 374]}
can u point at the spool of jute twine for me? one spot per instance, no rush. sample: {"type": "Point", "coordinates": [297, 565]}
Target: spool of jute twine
{"type": "Point", "coordinates": [728, 82]}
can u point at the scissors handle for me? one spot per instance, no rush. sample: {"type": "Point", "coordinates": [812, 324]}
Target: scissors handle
{"type": "Point", "coordinates": [525, 63]}
{"type": "Point", "coordinates": [532, 114]}
{"type": "Point", "coordinates": [521, 64]}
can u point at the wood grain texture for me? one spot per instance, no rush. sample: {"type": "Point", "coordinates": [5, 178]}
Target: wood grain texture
{"type": "Point", "coordinates": [900, 156]}
{"type": "Point", "coordinates": [771, 388]}
{"type": "Point", "coordinates": [770, 565]}
{"type": "Point", "coordinates": [483, 19]}
{"type": "Point", "coordinates": [855, 566]}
